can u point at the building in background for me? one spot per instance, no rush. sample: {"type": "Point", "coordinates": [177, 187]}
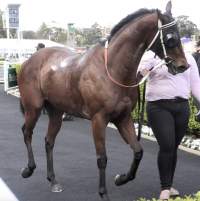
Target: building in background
{"type": "Point", "coordinates": [15, 49]}
{"type": "Point", "coordinates": [11, 21]}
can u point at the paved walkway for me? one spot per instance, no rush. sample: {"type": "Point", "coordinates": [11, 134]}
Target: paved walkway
{"type": "Point", "coordinates": [75, 162]}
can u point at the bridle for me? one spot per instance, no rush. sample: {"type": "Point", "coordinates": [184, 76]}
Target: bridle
{"type": "Point", "coordinates": [160, 31]}
{"type": "Point", "coordinates": [166, 59]}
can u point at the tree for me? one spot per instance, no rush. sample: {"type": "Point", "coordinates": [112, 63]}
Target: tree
{"type": "Point", "coordinates": [79, 37]}
{"type": "Point", "coordinates": [88, 36]}
{"type": "Point", "coordinates": [186, 27]}
{"type": "Point", "coordinates": [53, 33]}
{"type": "Point", "coordinates": [29, 35]}
{"type": "Point", "coordinates": [44, 32]}
{"type": "Point", "coordinates": [58, 35]}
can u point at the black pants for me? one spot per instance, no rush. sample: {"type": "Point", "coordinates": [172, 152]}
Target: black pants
{"type": "Point", "coordinates": [169, 121]}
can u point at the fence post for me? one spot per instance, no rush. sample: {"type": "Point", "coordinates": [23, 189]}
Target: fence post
{"type": "Point", "coordinates": [5, 73]}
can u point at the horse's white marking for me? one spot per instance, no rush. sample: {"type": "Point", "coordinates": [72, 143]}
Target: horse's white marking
{"type": "Point", "coordinates": [63, 63]}
{"type": "Point", "coordinates": [5, 193]}
{"type": "Point", "coordinates": [117, 177]}
{"type": "Point", "coordinates": [54, 67]}
{"type": "Point", "coordinates": [67, 61]}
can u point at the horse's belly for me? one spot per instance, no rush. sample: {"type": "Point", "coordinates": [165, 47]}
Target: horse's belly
{"type": "Point", "coordinates": [67, 100]}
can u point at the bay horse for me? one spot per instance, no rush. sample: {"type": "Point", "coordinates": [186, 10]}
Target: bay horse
{"type": "Point", "coordinates": [96, 86]}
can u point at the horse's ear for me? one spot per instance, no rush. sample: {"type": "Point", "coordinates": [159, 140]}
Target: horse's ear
{"type": "Point", "coordinates": [169, 8]}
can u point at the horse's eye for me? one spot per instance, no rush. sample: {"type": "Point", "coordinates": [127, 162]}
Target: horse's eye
{"type": "Point", "coordinates": [171, 40]}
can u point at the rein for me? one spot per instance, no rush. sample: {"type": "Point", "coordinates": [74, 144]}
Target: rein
{"type": "Point", "coordinates": [160, 28]}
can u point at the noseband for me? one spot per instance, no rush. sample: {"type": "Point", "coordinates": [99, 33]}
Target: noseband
{"type": "Point", "coordinates": [166, 60]}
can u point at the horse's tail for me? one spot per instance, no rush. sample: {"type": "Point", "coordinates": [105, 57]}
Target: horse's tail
{"type": "Point", "coordinates": [21, 107]}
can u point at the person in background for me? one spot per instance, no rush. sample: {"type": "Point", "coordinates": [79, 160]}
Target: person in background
{"type": "Point", "coordinates": [168, 112]}
{"type": "Point", "coordinates": [196, 56]}
{"type": "Point", "coordinates": [40, 46]}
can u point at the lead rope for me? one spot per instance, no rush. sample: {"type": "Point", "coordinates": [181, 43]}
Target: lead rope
{"type": "Point", "coordinates": [108, 73]}
{"type": "Point", "coordinates": [122, 85]}
{"type": "Point", "coordinates": [141, 113]}
{"type": "Point", "coordinates": [160, 28]}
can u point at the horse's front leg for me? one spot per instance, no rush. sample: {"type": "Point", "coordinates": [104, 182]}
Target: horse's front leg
{"type": "Point", "coordinates": [127, 131]}
{"type": "Point", "coordinates": [99, 126]}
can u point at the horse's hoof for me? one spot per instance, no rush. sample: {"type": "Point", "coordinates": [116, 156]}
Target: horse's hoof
{"type": "Point", "coordinates": [105, 197]}
{"type": "Point", "coordinates": [121, 179]}
{"type": "Point", "coordinates": [56, 188]}
{"type": "Point", "coordinates": [103, 194]}
{"type": "Point", "coordinates": [26, 172]}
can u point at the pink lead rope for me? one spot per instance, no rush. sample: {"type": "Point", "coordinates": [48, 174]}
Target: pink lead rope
{"type": "Point", "coordinates": [122, 85]}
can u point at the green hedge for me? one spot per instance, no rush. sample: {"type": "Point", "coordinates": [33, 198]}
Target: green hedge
{"type": "Point", "coordinates": [193, 126]}
{"type": "Point", "coordinates": [195, 197]}
{"type": "Point", "coordinates": [17, 66]}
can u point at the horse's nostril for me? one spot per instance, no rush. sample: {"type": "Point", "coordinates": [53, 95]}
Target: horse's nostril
{"type": "Point", "coordinates": [182, 68]}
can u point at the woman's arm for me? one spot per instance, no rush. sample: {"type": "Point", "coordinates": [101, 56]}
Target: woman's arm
{"type": "Point", "coordinates": [147, 63]}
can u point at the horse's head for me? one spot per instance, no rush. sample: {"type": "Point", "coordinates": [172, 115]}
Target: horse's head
{"type": "Point", "coordinates": [167, 44]}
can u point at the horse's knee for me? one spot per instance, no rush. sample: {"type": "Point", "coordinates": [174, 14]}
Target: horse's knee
{"type": "Point", "coordinates": [48, 145]}
{"type": "Point", "coordinates": [138, 155]}
{"type": "Point", "coordinates": [102, 162]}
{"type": "Point", "coordinates": [27, 135]}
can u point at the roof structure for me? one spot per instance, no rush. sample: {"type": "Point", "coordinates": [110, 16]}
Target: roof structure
{"type": "Point", "coordinates": [13, 46]}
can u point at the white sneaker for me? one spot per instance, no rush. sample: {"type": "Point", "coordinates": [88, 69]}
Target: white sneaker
{"type": "Point", "coordinates": [164, 195]}
{"type": "Point", "coordinates": [174, 192]}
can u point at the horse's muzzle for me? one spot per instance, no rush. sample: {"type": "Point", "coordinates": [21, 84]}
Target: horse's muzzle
{"type": "Point", "coordinates": [173, 68]}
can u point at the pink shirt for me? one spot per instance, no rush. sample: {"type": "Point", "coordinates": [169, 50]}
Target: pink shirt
{"type": "Point", "coordinates": [163, 85]}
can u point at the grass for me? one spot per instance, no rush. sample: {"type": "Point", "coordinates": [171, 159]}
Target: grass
{"type": "Point", "coordinates": [195, 197]}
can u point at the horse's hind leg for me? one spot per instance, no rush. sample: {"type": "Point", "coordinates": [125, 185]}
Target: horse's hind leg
{"type": "Point", "coordinates": [55, 121]}
{"type": "Point", "coordinates": [99, 125]}
{"type": "Point", "coordinates": [127, 131]}
{"type": "Point", "coordinates": [31, 117]}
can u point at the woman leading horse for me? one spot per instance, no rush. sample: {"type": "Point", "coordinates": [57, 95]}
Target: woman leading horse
{"type": "Point", "coordinates": [100, 85]}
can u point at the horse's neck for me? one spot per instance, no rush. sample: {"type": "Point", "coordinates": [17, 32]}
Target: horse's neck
{"type": "Point", "coordinates": [125, 61]}
{"type": "Point", "coordinates": [126, 50]}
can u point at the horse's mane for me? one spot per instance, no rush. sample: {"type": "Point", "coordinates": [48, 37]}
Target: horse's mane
{"type": "Point", "coordinates": [129, 18]}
